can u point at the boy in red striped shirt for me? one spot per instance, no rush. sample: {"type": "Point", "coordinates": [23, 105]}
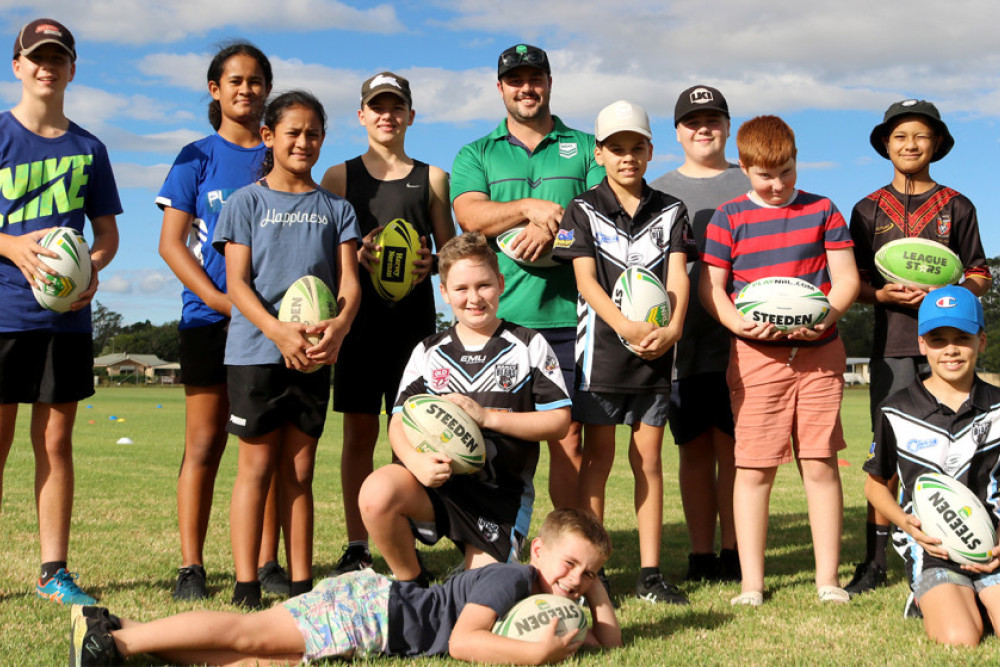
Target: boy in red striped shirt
{"type": "Point", "coordinates": [786, 388]}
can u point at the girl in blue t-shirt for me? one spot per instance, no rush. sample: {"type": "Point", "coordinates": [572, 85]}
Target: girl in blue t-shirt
{"type": "Point", "coordinates": [274, 232]}
{"type": "Point", "coordinates": [203, 176]}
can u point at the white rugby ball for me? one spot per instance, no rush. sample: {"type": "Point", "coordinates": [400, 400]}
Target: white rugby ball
{"type": "Point", "coordinates": [308, 300]}
{"type": "Point", "coordinates": [72, 267]}
{"type": "Point", "coordinates": [641, 297]}
{"type": "Point", "coordinates": [529, 619]}
{"type": "Point", "coordinates": [920, 263]}
{"type": "Point", "coordinates": [506, 238]}
{"type": "Point", "coordinates": [787, 303]}
{"type": "Point", "coordinates": [435, 424]}
{"type": "Point", "coordinates": [393, 275]}
{"type": "Point", "coordinates": [949, 511]}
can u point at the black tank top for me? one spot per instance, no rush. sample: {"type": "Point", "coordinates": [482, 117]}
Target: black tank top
{"type": "Point", "coordinates": [377, 203]}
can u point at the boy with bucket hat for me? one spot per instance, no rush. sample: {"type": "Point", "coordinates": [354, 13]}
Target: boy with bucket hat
{"type": "Point", "coordinates": [912, 136]}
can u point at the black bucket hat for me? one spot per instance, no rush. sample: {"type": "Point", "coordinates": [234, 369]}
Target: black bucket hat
{"type": "Point", "coordinates": [912, 108]}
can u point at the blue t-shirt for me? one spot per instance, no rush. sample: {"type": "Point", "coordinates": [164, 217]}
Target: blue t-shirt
{"type": "Point", "coordinates": [290, 235]}
{"type": "Point", "coordinates": [48, 182]}
{"type": "Point", "coordinates": [204, 174]}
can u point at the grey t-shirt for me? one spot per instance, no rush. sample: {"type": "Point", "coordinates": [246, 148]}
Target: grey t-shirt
{"type": "Point", "coordinates": [421, 619]}
{"type": "Point", "coordinates": [704, 345]}
{"type": "Point", "coordinates": [290, 235]}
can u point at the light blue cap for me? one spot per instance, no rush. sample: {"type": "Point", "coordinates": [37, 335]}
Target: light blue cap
{"type": "Point", "coordinates": [951, 306]}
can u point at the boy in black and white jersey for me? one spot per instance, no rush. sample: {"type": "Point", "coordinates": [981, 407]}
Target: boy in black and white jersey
{"type": "Point", "coordinates": [943, 423]}
{"type": "Point", "coordinates": [622, 223]}
{"type": "Point", "coordinates": [508, 379]}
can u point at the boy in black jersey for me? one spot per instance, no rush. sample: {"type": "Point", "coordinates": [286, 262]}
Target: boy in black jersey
{"type": "Point", "coordinates": [943, 424]}
{"type": "Point", "coordinates": [911, 135]}
{"type": "Point", "coordinates": [509, 381]}
{"type": "Point", "coordinates": [382, 184]}
{"type": "Point", "coordinates": [621, 223]}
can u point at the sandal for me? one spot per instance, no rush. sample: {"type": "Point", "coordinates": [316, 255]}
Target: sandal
{"type": "Point", "coordinates": [833, 594]}
{"type": "Point", "coordinates": [748, 599]}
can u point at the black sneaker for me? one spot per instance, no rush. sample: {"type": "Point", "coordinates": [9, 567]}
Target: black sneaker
{"type": "Point", "coordinates": [101, 613]}
{"type": "Point", "coordinates": [868, 576]}
{"type": "Point", "coordinates": [655, 588]}
{"type": "Point", "coordinates": [355, 558]}
{"type": "Point", "coordinates": [603, 578]}
{"type": "Point", "coordinates": [729, 565]}
{"type": "Point", "coordinates": [702, 567]}
{"type": "Point", "coordinates": [274, 579]}
{"type": "Point", "coordinates": [910, 609]}
{"type": "Point", "coordinates": [191, 583]}
{"type": "Point", "coordinates": [90, 640]}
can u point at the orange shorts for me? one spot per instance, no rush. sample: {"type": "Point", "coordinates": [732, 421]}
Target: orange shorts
{"type": "Point", "coordinates": [786, 402]}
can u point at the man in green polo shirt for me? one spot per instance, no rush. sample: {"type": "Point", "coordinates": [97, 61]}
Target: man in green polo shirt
{"type": "Point", "coordinates": [522, 175]}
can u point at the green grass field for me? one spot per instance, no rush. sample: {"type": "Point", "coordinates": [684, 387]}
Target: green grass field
{"type": "Point", "coordinates": [124, 545]}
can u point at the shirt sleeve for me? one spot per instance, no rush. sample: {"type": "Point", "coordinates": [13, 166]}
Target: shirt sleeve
{"type": "Point", "coordinates": [501, 587]}
{"type": "Point", "coordinates": [102, 190]}
{"type": "Point", "coordinates": [468, 172]}
{"type": "Point", "coordinates": [235, 220]}
{"type": "Point", "coordinates": [547, 388]}
{"type": "Point", "coordinates": [836, 234]}
{"type": "Point", "coordinates": [681, 236]}
{"type": "Point", "coordinates": [882, 453]}
{"type": "Point", "coordinates": [860, 230]}
{"type": "Point", "coordinates": [719, 240]}
{"type": "Point", "coordinates": [970, 246]}
{"type": "Point", "coordinates": [595, 172]}
{"type": "Point", "coordinates": [412, 382]}
{"type": "Point", "coordinates": [574, 238]}
{"type": "Point", "coordinates": [180, 188]}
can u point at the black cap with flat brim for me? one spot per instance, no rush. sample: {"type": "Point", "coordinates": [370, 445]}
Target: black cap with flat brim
{"type": "Point", "coordinates": [921, 108]}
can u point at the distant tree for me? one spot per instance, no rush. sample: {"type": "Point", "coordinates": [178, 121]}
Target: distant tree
{"type": "Point", "coordinates": [148, 338]}
{"type": "Point", "coordinates": [106, 324]}
{"type": "Point", "coordinates": [442, 320]}
{"type": "Point", "coordinates": [857, 328]}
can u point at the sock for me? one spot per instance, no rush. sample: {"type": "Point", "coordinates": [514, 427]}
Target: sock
{"type": "Point", "coordinates": [881, 545]}
{"type": "Point", "coordinates": [300, 587]}
{"type": "Point", "coordinates": [49, 569]}
{"type": "Point", "coordinates": [647, 571]}
{"type": "Point", "coordinates": [247, 593]}
{"type": "Point", "coordinates": [420, 580]}
{"type": "Point", "coordinates": [363, 544]}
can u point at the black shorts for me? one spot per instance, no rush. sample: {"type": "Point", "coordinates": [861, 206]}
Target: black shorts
{"type": "Point", "coordinates": [203, 352]}
{"type": "Point", "coordinates": [375, 352]}
{"type": "Point", "coordinates": [46, 367]}
{"type": "Point", "coordinates": [265, 397]}
{"type": "Point", "coordinates": [698, 403]}
{"type": "Point", "coordinates": [470, 519]}
{"type": "Point", "coordinates": [562, 340]}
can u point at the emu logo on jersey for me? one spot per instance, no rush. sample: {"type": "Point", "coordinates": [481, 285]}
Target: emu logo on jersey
{"type": "Point", "coordinates": [439, 377]}
{"type": "Point", "coordinates": [489, 529]}
{"type": "Point", "coordinates": [980, 431]}
{"type": "Point", "coordinates": [506, 374]}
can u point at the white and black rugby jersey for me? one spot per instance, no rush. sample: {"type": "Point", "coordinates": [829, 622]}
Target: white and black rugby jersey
{"type": "Point", "coordinates": [915, 434]}
{"type": "Point", "coordinates": [515, 371]}
{"type": "Point", "coordinates": [595, 225]}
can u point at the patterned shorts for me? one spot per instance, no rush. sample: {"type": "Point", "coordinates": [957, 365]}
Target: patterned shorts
{"type": "Point", "coordinates": [345, 616]}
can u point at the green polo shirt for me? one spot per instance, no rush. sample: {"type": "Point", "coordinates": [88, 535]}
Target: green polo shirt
{"type": "Point", "coordinates": [561, 167]}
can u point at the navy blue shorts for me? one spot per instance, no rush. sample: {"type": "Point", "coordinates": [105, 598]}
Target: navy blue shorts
{"type": "Point", "coordinates": [46, 367]}
{"type": "Point", "coordinates": [698, 403]}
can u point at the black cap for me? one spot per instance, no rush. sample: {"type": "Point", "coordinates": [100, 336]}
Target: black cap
{"type": "Point", "coordinates": [699, 98]}
{"type": "Point", "coordinates": [44, 31]}
{"type": "Point", "coordinates": [912, 108]}
{"type": "Point", "coordinates": [386, 82]}
{"type": "Point", "coordinates": [522, 55]}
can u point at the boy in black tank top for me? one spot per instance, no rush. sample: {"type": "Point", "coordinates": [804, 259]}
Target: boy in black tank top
{"type": "Point", "coordinates": [382, 184]}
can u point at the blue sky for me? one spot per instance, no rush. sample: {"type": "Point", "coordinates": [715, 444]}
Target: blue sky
{"type": "Point", "coordinates": [830, 72]}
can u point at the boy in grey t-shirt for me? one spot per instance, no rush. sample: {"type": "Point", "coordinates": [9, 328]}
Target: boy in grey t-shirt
{"type": "Point", "coordinates": [704, 428]}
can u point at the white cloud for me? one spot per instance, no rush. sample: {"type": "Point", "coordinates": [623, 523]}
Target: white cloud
{"type": "Point", "coordinates": [130, 175]}
{"type": "Point", "coordinates": [817, 166]}
{"type": "Point", "coordinates": [151, 282]}
{"type": "Point", "coordinates": [132, 22]}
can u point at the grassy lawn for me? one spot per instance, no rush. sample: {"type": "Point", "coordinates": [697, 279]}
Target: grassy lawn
{"type": "Point", "coordinates": [125, 546]}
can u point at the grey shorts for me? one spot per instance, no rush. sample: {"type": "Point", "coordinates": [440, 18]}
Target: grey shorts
{"type": "Point", "coordinates": [605, 408]}
{"type": "Point", "coordinates": [935, 576]}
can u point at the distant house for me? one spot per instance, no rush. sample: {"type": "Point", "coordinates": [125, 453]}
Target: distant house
{"type": "Point", "coordinates": [858, 371]}
{"type": "Point", "coordinates": [122, 365]}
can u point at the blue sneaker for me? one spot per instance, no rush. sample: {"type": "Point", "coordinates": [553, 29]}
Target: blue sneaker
{"type": "Point", "coordinates": [62, 588]}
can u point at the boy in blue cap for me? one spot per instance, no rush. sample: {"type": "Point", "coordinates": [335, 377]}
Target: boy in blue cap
{"type": "Point", "coordinates": [941, 423]}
